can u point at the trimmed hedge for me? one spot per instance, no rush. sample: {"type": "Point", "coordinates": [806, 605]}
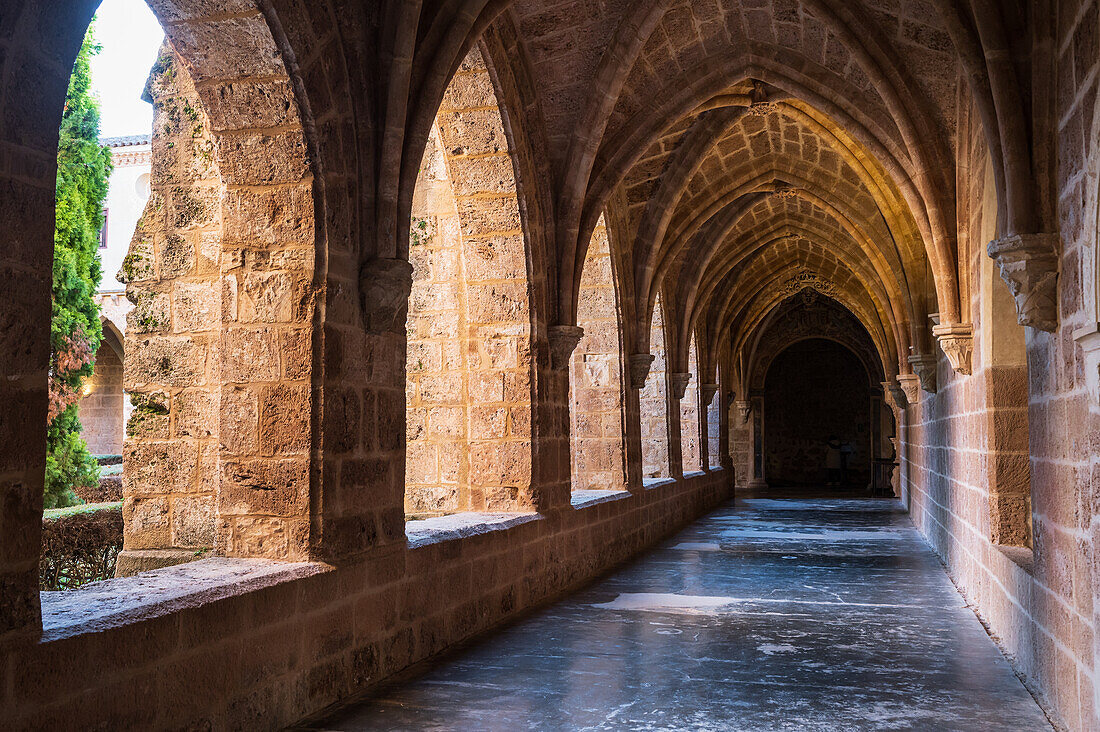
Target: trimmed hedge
{"type": "Point", "coordinates": [109, 488]}
{"type": "Point", "coordinates": [80, 544]}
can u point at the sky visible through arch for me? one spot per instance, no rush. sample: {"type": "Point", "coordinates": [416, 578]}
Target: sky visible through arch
{"type": "Point", "coordinates": [130, 36]}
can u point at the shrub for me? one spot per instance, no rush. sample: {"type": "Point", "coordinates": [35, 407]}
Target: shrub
{"type": "Point", "coordinates": [83, 167]}
{"type": "Point", "coordinates": [80, 546]}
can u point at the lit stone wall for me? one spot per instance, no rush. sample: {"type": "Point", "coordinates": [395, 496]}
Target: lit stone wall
{"type": "Point", "coordinates": [170, 458]}
{"type": "Point", "coordinates": [595, 377]}
{"type": "Point", "coordinates": [101, 406]}
{"type": "Point", "coordinates": [714, 430]}
{"type": "Point", "coordinates": [468, 369]}
{"type": "Point", "coordinates": [964, 468]}
{"type": "Point", "coordinates": [690, 424]}
{"type": "Point", "coordinates": [654, 404]}
{"type": "Point", "coordinates": [437, 378]}
{"type": "Point", "coordinates": [217, 453]}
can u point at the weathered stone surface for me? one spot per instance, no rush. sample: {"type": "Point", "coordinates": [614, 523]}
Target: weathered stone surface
{"type": "Point", "coordinates": [384, 287]}
{"type": "Point", "coordinates": [606, 164]}
{"type": "Point", "coordinates": [1029, 266]}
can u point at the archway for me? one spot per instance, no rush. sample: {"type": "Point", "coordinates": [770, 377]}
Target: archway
{"type": "Point", "coordinates": [595, 377]}
{"type": "Point", "coordinates": [654, 403]}
{"type": "Point", "coordinates": [468, 348]}
{"type": "Point", "coordinates": [103, 403]}
{"type": "Point", "coordinates": [816, 392]}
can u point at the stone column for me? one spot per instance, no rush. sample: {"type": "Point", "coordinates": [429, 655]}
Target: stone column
{"type": "Point", "coordinates": [741, 441]}
{"type": "Point", "coordinates": [632, 440]}
{"type": "Point", "coordinates": [22, 462]}
{"type": "Point", "coordinates": [551, 448]}
{"type": "Point", "coordinates": [25, 270]}
{"type": "Point", "coordinates": [677, 386]}
{"type": "Point", "coordinates": [759, 481]}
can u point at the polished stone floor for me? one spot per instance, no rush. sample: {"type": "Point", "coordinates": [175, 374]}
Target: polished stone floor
{"type": "Point", "coordinates": [774, 615]}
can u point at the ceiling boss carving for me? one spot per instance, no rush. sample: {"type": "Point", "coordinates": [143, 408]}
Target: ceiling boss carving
{"type": "Point", "coordinates": [810, 280]}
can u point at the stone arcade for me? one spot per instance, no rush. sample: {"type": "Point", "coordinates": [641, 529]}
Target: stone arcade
{"type": "Point", "coordinates": [442, 309]}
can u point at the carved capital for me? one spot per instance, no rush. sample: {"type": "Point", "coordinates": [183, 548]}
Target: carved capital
{"type": "Point", "coordinates": [744, 409]}
{"type": "Point", "coordinates": [924, 366]}
{"type": "Point", "coordinates": [1088, 338]}
{"type": "Point", "coordinates": [384, 287]}
{"type": "Point", "coordinates": [639, 368]}
{"type": "Point", "coordinates": [957, 342]}
{"type": "Point", "coordinates": [707, 391]}
{"type": "Point", "coordinates": [1029, 266]}
{"type": "Point", "coordinates": [896, 393]}
{"type": "Point", "coordinates": [563, 340]}
{"type": "Point", "coordinates": [910, 387]}
{"type": "Point", "coordinates": [678, 381]}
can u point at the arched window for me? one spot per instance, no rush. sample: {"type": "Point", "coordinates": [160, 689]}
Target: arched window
{"type": "Point", "coordinates": [102, 404]}
{"type": "Point", "coordinates": [595, 376]}
{"type": "Point", "coordinates": [690, 425]}
{"type": "Point", "coordinates": [468, 358]}
{"type": "Point", "coordinates": [654, 404]}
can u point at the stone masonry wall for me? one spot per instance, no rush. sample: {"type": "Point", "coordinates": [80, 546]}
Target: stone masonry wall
{"type": "Point", "coordinates": [715, 454]}
{"type": "Point", "coordinates": [171, 272]}
{"type": "Point", "coordinates": [654, 404]}
{"type": "Point", "coordinates": [496, 338]}
{"type": "Point", "coordinates": [595, 377]}
{"type": "Point", "coordinates": [964, 471]}
{"type": "Point", "coordinates": [690, 423]}
{"type": "Point", "coordinates": [218, 447]}
{"type": "Point", "coordinates": [101, 406]}
{"type": "Point", "coordinates": [468, 374]}
{"type": "Point", "coordinates": [436, 373]}
{"type": "Point", "coordinates": [220, 658]}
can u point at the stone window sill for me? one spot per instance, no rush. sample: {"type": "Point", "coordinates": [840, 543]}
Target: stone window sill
{"type": "Point", "coordinates": [423, 532]}
{"type": "Point", "coordinates": [117, 602]}
{"type": "Point", "coordinates": [694, 474]}
{"type": "Point", "coordinates": [580, 499]}
{"type": "Point", "coordinates": [650, 483]}
{"type": "Point", "coordinates": [1022, 556]}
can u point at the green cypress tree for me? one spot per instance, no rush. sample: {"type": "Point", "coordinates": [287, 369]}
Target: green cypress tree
{"type": "Point", "coordinates": [83, 168]}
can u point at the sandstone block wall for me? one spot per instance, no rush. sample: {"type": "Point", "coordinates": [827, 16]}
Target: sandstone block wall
{"type": "Point", "coordinates": [220, 274]}
{"type": "Point", "coordinates": [654, 405]}
{"type": "Point", "coordinates": [170, 458]}
{"type": "Point", "coordinates": [717, 455]}
{"type": "Point", "coordinates": [596, 377]}
{"type": "Point", "coordinates": [691, 421]}
{"type": "Point", "coordinates": [226, 660]}
{"type": "Point", "coordinates": [469, 364]}
{"type": "Point", "coordinates": [1019, 536]}
{"type": "Point", "coordinates": [101, 406]}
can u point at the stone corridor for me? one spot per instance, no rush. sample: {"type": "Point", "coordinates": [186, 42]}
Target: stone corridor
{"type": "Point", "coordinates": [799, 614]}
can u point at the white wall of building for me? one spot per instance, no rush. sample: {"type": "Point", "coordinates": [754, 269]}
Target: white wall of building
{"type": "Point", "coordinates": [128, 191]}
